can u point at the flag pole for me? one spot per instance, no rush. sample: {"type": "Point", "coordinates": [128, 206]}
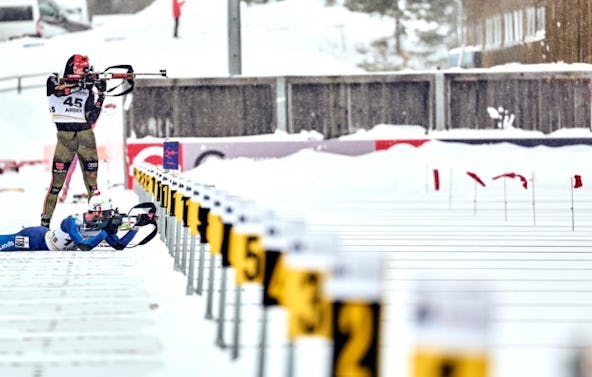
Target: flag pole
{"type": "Point", "coordinates": [571, 181]}
{"type": "Point", "coordinates": [450, 191]}
{"type": "Point", "coordinates": [475, 201]}
{"type": "Point", "coordinates": [533, 202]}
{"type": "Point", "coordinates": [505, 202]}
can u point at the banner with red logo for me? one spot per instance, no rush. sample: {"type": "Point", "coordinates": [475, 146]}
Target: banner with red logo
{"type": "Point", "coordinates": [141, 152]}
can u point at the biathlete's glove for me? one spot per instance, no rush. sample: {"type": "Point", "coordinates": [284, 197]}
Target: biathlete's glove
{"type": "Point", "coordinates": [101, 86]}
{"type": "Point", "coordinates": [111, 228]}
{"type": "Point", "coordinates": [100, 223]}
{"type": "Point", "coordinates": [86, 83]}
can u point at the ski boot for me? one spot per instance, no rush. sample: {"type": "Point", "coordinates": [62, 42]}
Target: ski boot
{"type": "Point", "coordinates": [45, 220]}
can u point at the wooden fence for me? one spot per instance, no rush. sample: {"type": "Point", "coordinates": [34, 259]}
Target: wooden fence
{"type": "Point", "coordinates": [338, 105]}
{"type": "Point", "coordinates": [542, 101]}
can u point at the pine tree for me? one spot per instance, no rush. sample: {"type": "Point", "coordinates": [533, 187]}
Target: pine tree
{"type": "Point", "coordinates": [389, 8]}
{"type": "Point", "coordinates": [427, 27]}
{"type": "Point", "coordinates": [439, 20]}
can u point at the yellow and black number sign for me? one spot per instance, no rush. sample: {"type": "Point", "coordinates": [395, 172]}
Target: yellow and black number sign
{"type": "Point", "coordinates": [179, 210]}
{"type": "Point", "coordinates": [150, 181]}
{"type": "Point", "coordinates": [434, 363]}
{"type": "Point", "coordinates": [309, 310]}
{"type": "Point", "coordinates": [172, 203]}
{"type": "Point", "coordinates": [214, 233]}
{"type": "Point", "coordinates": [202, 216]}
{"type": "Point", "coordinates": [164, 195]}
{"type": "Point", "coordinates": [273, 278]}
{"type": "Point", "coordinates": [225, 244]}
{"type": "Point", "coordinates": [247, 256]}
{"type": "Point", "coordinates": [192, 220]}
{"type": "Point", "coordinates": [157, 193]}
{"type": "Point", "coordinates": [356, 330]}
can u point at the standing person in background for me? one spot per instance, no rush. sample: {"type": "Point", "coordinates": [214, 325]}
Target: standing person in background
{"type": "Point", "coordinates": [74, 110]}
{"type": "Point", "coordinates": [177, 4]}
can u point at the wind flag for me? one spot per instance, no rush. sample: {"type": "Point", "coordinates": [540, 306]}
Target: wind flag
{"type": "Point", "coordinates": [436, 179]}
{"type": "Point", "coordinates": [578, 181]}
{"type": "Point", "coordinates": [476, 178]}
{"type": "Point", "coordinates": [513, 175]}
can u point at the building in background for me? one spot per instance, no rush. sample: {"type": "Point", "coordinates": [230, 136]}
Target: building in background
{"type": "Point", "coordinates": [525, 31]}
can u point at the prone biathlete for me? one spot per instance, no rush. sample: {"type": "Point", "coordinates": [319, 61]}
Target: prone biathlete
{"type": "Point", "coordinates": [82, 231]}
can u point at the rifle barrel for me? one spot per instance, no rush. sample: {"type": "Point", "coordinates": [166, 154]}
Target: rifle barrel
{"type": "Point", "coordinates": [114, 75]}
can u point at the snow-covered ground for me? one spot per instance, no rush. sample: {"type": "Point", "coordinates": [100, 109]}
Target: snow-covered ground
{"type": "Point", "coordinates": [524, 251]}
{"type": "Point", "coordinates": [125, 314]}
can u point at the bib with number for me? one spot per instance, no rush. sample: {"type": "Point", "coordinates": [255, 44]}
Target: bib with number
{"type": "Point", "coordinates": [70, 108]}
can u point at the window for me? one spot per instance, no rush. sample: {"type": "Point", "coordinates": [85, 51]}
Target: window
{"type": "Point", "coordinates": [518, 26]}
{"type": "Point", "coordinates": [530, 27]}
{"type": "Point", "coordinates": [16, 14]}
{"type": "Point", "coordinates": [534, 29]}
{"type": "Point", "coordinates": [508, 29]}
{"type": "Point", "coordinates": [540, 21]}
{"type": "Point", "coordinates": [513, 28]}
{"type": "Point", "coordinates": [47, 10]}
{"type": "Point", "coordinates": [479, 34]}
{"type": "Point", "coordinates": [474, 34]}
{"type": "Point", "coordinates": [493, 32]}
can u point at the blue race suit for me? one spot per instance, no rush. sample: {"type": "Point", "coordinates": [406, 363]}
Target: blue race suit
{"type": "Point", "coordinates": [70, 236]}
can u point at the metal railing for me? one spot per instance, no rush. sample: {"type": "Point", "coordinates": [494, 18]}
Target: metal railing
{"type": "Point", "coordinates": [21, 82]}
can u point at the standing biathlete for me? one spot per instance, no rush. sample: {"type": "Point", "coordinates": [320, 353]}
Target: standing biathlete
{"type": "Point", "coordinates": [66, 185]}
{"type": "Point", "coordinates": [74, 110]}
{"type": "Point", "coordinates": [76, 232]}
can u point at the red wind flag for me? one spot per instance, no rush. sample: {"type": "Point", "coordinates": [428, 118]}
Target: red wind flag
{"type": "Point", "coordinates": [476, 178]}
{"type": "Point", "coordinates": [578, 181]}
{"type": "Point", "coordinates": [523, 180]}
{"type": "Point", "coordinates": [436, 179]}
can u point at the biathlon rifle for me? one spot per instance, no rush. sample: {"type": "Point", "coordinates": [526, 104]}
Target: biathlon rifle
{"type": "Point", "coordinates": [123, 72]}
{"type": "Point", "coordinates": [142, 213]}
